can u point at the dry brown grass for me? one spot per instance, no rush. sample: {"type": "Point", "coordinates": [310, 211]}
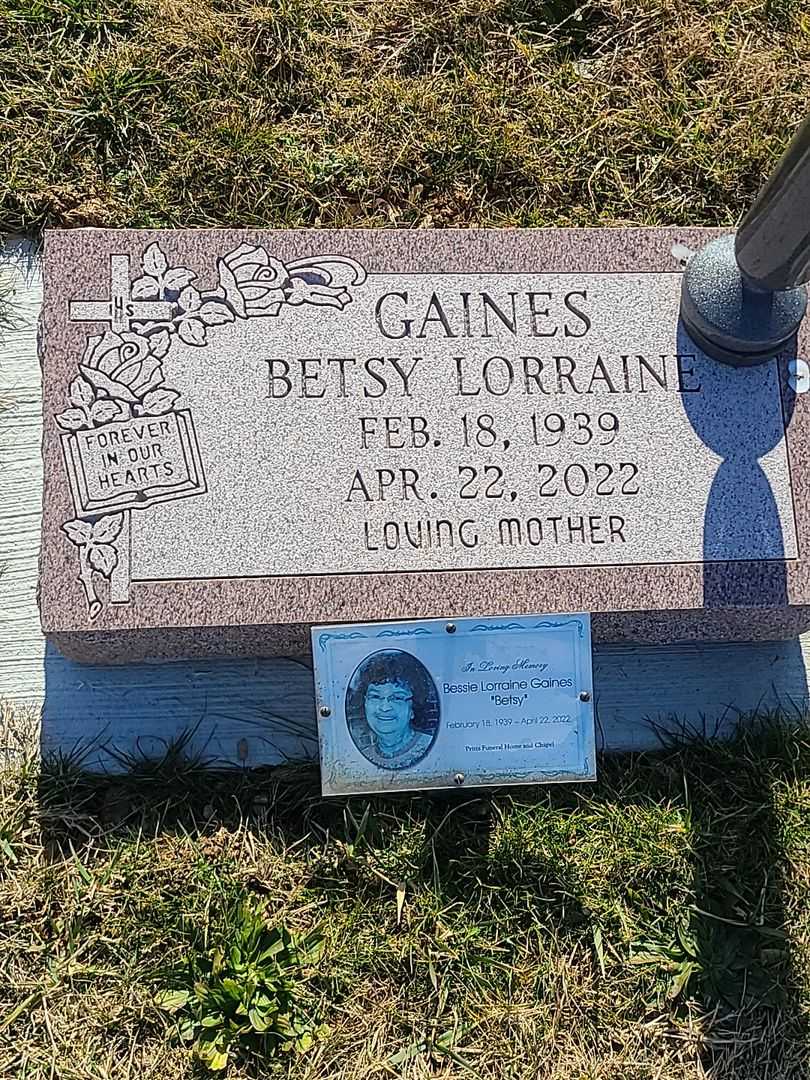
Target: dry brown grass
{"type": "Point", "coordinates": [645, 929]}
{"type": "Point", "coordinates": [394, 112]}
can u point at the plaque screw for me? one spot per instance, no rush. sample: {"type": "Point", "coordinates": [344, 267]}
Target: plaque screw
{"type": "Point", "coordinates": [584, 695]}
{"type": "Point", "coordinates": [325, 710]}
{"type": "Point", "coordinates": [451, 629]}
{"type": "Point", "coordinates": [458, 779]}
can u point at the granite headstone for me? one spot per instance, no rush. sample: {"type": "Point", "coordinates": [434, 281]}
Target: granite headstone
{"type": "Point", "coordinates": [246, 433]}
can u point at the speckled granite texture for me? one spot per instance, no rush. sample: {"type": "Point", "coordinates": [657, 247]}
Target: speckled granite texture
{"type": "Point", "coordinates": [92, 610]}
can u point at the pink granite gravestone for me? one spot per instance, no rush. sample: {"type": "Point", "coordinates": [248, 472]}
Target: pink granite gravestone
{"type": "Point", "coordinates": [250, 432]}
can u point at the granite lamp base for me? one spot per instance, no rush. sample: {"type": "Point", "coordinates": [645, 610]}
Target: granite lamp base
{"type": "Point", "coordinates": [728, 317]}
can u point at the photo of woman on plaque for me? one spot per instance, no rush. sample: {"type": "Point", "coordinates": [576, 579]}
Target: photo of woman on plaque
{"type": "Point", "coordinates": [392, 709]}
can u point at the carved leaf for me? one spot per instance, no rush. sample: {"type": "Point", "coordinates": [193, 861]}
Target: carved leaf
{"type": "Point", "coordinates": [177, 278]}
{"type": "Point", "coordinates": [81, 392]}
{"type": "Point", "coordinates": [107, 528]}
{"type": "Point", "coordinates": [231, 288]}
{"type": "Point", "coordinates": [157, 402]}
{"type": "Point", "coordinates": [145, 288]}
{"type": "Point", "coordinates": [91, 345]}
{"type": "Point", "coordinates": [78, 531]}
{"type": "Point", "coordinates": [72, 420]}
{"type": "Point", "coordinates": [105, 411]}
{"type": "Point", "coordinates": [103, 558]}
{"type": "Point", "coordinates": [189, 299]}
{"type": "Point", "coordinates": [154, 261]}
{"type": "Point", "coordinates": [192, 332]}
{"type": "Point", "coordinates": [214, 313]}
{"type": "Point", "coordinates": [159, 344]}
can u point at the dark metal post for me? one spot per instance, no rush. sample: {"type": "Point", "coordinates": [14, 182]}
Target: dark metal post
{"type": "Point", "coordinates": [743, 298]}
{"type": "Point", "coordinates": [773, 241]}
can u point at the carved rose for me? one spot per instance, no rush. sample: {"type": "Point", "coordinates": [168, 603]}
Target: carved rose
{"type": "Point", "coordinates": [252, 281]}
{"type": "Point", "coordinates": [121, 373]}
{"type": "Point", "coordinates": [122, 365]}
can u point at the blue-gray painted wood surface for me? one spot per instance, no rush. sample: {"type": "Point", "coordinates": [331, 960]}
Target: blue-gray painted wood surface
{"type": "Point", "coordinates": [252, 712]}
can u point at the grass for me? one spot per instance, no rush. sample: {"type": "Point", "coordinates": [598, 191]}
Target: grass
{"type": "Point", "coordinates": [655, 925]}
{"type": "Point", "coordinates": [394, 112]}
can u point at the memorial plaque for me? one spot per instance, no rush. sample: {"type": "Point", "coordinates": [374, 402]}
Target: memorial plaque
{"type": "Point", "coordinates": [438, 704]}
{"type": "Point", "coordinates": [248, 433]}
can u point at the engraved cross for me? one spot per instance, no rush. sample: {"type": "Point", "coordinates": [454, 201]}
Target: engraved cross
{"type": "Point", "coordinates": [120, 309]}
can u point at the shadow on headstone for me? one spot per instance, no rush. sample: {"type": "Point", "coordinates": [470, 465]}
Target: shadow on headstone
{"type": "Point", "coordinates": [741, 518]}
{"type": "Point", "coordinates": [744, 547]}
{"type": "Point", "coordinates": [730, 938]}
